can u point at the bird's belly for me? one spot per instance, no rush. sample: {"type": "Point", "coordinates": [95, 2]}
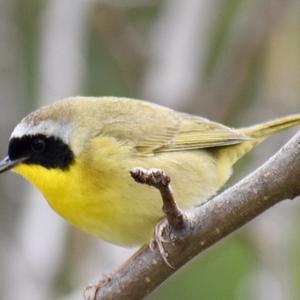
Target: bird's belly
{"type": "Point", "coordinates": [105, 216]}
{"type": "Point", "coordinates": [116, 208]}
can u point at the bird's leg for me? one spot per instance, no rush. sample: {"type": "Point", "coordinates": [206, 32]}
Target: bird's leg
{"type": "Point", "coordinates": [175, 219]}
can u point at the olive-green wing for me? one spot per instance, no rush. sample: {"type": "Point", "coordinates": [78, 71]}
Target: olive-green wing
{"type": "Point", "coordinates": [197, 133]}
{"type": "Point", "coordinates": [151, 128]}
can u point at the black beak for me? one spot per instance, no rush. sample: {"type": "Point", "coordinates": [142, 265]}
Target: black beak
{"type": "Point", "coordinates": [6, 164]}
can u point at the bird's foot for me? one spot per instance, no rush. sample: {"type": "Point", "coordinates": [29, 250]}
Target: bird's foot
{"type": "Point", "coordinates": [162, 235]}
{"type": "Point", "coordinates": [90, 291]}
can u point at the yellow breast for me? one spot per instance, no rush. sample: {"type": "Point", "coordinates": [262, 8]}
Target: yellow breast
{"type": "Point", "coordinates": [93, 194]}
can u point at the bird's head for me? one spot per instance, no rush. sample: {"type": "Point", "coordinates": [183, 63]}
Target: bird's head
{"type": "Point", "coordinates": [44, 142]}
{"type": "Point", "coordinates": [52, 136]}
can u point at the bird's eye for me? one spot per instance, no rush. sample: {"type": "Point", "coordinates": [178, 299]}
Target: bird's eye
{"type": "Point", "coordinates": [38, 145]}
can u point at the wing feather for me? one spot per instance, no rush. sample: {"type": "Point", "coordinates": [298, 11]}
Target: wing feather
{"type": "Point", "coordinates": [197, 133]}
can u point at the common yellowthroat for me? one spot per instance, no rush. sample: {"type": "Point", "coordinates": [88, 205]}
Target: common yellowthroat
{"type": "Point", "coordinates": [78, 152]}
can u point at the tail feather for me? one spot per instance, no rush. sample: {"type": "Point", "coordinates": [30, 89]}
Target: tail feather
{"type": "Point", "coordinates": [265, 129]}
{"type": "Point", "coordinates": [230, 154]}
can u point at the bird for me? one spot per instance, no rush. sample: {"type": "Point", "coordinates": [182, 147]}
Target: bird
{"type": "Point", "coordinates": [79, 151]}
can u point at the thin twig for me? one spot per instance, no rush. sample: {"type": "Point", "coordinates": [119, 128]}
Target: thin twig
{"type": "Point", "coordinates": [160, 180]}
{"type": "Point", "coordinates": [164, 232]}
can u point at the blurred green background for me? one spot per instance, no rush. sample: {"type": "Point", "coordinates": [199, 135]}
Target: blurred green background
{"type": "Point", "coordinates": [234, 61]}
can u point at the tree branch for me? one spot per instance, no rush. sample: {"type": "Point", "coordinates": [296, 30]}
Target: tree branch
{"type": "Point", "coordinates": [276, 180]}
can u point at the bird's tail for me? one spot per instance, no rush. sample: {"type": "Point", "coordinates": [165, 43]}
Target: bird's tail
{"type": "Point", "coordinates": [263, 130]}
{"type": "Point", "coordinates": [258, 133]}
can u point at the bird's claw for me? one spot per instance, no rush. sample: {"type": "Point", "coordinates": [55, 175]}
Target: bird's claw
{"type": "Point", "coordinates": [162, 229]}
{"type": "Point", "coordinates": [90, 291]}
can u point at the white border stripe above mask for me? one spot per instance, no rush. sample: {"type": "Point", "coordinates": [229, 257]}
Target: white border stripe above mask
{"type": "Point", "coordinates": [60, 129]}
